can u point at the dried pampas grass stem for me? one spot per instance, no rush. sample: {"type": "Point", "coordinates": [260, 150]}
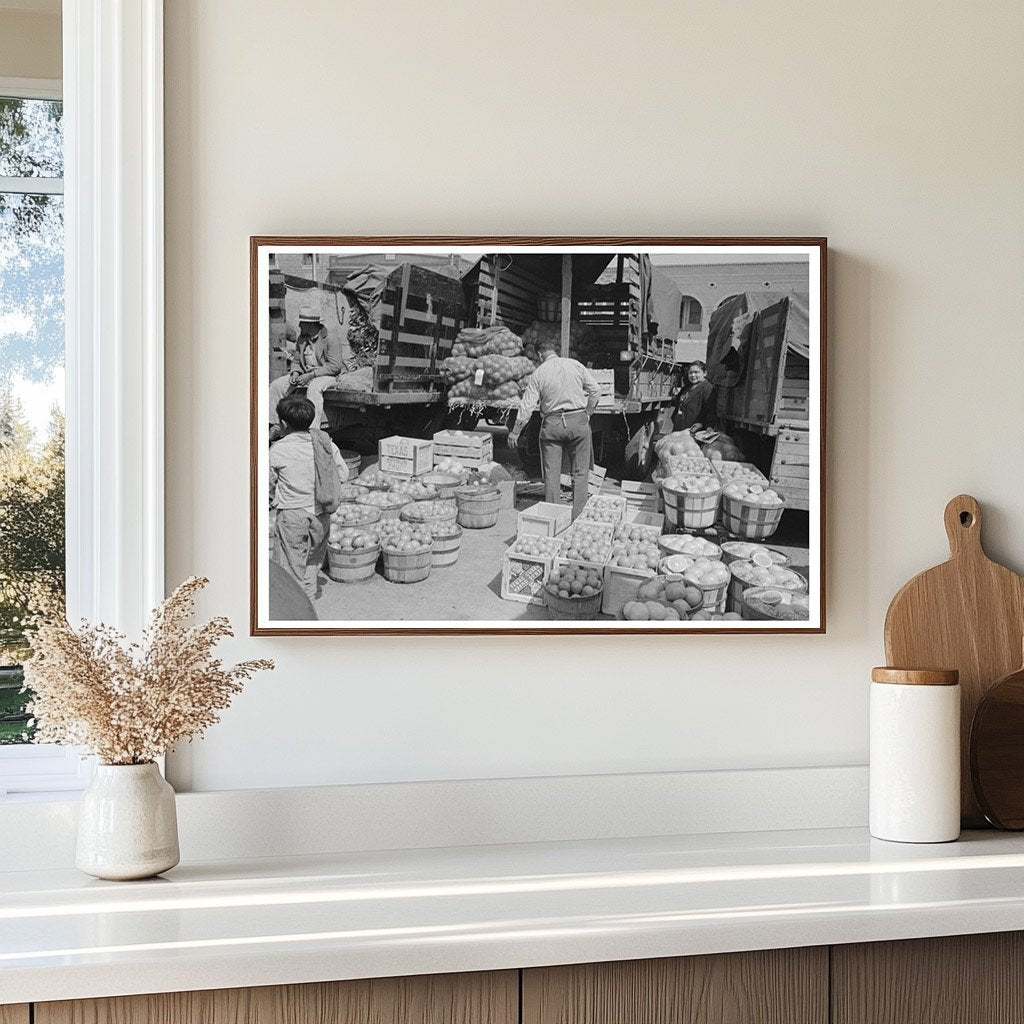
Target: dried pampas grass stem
{"type": "Point", "coordinates": [129, 703]}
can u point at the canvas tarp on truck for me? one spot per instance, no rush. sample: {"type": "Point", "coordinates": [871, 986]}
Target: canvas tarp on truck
{"type": "Point", "coordinates": [750, 336]}
{"type": "Point", "coordinates": [660, 300]}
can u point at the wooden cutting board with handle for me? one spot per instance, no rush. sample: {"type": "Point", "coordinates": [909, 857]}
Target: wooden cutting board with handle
{"type": "Point", "coordinates": [967, 614]}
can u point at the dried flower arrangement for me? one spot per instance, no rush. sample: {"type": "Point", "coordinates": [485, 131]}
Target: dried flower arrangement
{"type": "Point", "coordinates": [130, 703]}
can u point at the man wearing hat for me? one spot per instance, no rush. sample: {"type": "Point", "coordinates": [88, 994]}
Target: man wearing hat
{"type": "Point", "coordinates": [315, 366]}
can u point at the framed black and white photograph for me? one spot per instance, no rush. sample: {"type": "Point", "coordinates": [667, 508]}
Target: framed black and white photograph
{"type": "Point", "coordinates": [537, 435]}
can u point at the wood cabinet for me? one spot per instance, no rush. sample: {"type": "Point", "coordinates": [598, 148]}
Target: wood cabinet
{"type": "Point", "coordinates": [967, 979]}
{"type": "Point", "coordinates": [481, 998]}
{"type": "Point", "coordinates": [777, 986]}
{"type": "Point", "coordinates": [962, 979]}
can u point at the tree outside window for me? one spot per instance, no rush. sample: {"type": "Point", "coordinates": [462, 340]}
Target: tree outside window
{"type": "Point", "coordinates": [32, 541]}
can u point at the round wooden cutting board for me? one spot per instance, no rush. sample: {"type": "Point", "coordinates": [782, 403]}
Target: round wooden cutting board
{"type": "Point", "coordinates": [997, 752]}
{"type": "Point", "coordinates": [967, 614]}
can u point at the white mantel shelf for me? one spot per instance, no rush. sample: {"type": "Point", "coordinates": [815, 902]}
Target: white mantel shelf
{"type": "Point", "coordinates": [227, 924]}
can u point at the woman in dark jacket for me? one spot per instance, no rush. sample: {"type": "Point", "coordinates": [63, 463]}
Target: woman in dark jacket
{"type": "Point", "coordinates": [696, 403]}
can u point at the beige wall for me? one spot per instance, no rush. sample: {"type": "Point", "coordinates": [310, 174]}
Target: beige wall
{"type": "Point", "coordinates": [895, 129]}
{"type": "Point", "coordinates": [29, 44]}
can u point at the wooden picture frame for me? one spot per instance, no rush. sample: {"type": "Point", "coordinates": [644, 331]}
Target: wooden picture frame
{"type": "Point", "coordinates": [422, 277]}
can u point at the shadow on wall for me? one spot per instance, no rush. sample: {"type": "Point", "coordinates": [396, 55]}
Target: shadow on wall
{"type": "Point", "coordinates": [853, 289]}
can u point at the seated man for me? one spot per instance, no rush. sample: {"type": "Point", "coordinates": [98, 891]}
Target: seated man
{"type": "Point", "coordinates": [315, 366]}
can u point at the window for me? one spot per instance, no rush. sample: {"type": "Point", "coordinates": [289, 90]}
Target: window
{"type": "Point", "coordinates": [691, 314]}
{"type": "Point", "coordinates": [31, 382]}
{"type": "Point", "coordinates": [112, 121]}
{"type": "Point", "coordinates": [32, 530]}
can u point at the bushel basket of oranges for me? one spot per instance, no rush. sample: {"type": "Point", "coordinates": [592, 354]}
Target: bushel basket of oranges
{"type": "Point", "coordinates": [408, 550]}
{"type": "Point", "coordinates": [751, 510]}
{"type": "Point", "coordinates": [573, 592]}
{"type": "Point", "coordinates": [691, 502]}
{"type": "Point", "coordinates": [352, 553]}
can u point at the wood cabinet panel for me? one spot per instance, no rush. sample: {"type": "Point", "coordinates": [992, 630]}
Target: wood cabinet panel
{"type": "Point", "coordinates": [14, 1014]}
{"type": "Point", "coordinates": [480, 998]}
{"type": "Point", "coordinates": [779, 986]}
{"type": "Point", "coordinates": [962, 979]}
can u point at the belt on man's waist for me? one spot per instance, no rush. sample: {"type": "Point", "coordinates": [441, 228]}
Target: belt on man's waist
{"type": "Point", "coordinates": [566, 412]}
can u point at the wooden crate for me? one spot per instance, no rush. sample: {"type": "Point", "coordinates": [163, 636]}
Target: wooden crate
{"type": "Point", "coordinates": [616, 500]}
{"type": "Point", "coordinates": [420, 312]}
{"type": "Point", "coordinates": [567, 540]}
{"type": "Point", "coordinates": [472, 448]}
{"type": "Point", "coordinates": [544, 518]}
{"type": "Point", "coordinates": [523, 577]}
{"type": "Point", "coordinates": [641, 518]}
{"type": "Point", "coordinates": [594, 483]}
{"type": "Point", "coordinates": [727, 471]}
{"type": "Point", "coordinates": [406, 456]}
{"type": "Point", "coordinates": [621, 585]}
{"type": "Point", "coordinates": [641, 496]}
{"type": "Point", "coordinates": [606, 381]}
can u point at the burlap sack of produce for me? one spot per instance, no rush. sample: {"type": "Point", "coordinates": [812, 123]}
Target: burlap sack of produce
{"type": "Point", "coordinates": [496, 340]}
{"type": "Point", "coordinates": [723, 447]}
{"type": "Point", "coordinates": [680, 442]}
{"type": "Point", "coordinates": [357, 380]}
{"type": "Point", "coordinates": [456, 368]}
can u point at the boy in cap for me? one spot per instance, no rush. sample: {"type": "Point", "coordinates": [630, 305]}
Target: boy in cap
{"type": "Point", "coordinates": [306, 473]}
{"type": "Point", "coordinates": [315, 366]}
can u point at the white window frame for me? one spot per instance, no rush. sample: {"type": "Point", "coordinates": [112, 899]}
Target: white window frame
{"type": "Point", "coordinates": [114, 346]}
{"type": "Point", "coordinates": [39, 767]}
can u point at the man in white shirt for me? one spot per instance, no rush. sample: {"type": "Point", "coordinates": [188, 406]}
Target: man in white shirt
{"type": "Point", "coordinates": [567, 394]}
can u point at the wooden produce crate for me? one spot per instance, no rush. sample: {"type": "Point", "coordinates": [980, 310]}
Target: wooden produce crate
{"type": "Point", "coordinates": [621, 585]}
{"type": "Point", "coordinates": [544, 518]}
{"type": "Point", "coordinates": [406, 456]}
{"type": "Point", "coordinates": [523, 577]}
{"type": "Point", "coordinates": [638, 517]}
{"type": "Point", "coordinates": [641, 496]}
{"type": "Point", "coordinates": [606, 381]}
{"type": "Point", "coordinates": [611, 500]}
{"type": "Point", "coordinates": [594, 483]}
{"type": "Point", "coordinates": [687, 465]}
{"type": "Point", "coordinates": [727, 472]}
{"type": "Point", "coordinates": [603, 528]}
{"type": "Point", "coordinates": [471, 448]}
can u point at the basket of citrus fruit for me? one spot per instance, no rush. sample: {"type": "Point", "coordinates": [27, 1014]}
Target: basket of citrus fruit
{"type": "Point", "coordinates": [712, 577]}
{"type": "Point", "coordinates": [664, 599]}
{"type": "Point", "coordinates": [691, 502]}
{"type": "Point", "coordinates": [573, 592]}
{"type": "Point", "coordinates": [752, 510]}
{"type": "Point", "coordinates": [352, 553]}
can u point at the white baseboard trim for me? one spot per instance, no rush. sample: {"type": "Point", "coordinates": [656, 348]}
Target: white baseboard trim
{"type": "Point", "coordinates": [242, 824]}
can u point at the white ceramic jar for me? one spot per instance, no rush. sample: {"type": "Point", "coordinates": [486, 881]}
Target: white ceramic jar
{"type": "Point", "coordinates": [127, 823]}
{"type": "Point", "coordinates": [915, 755]}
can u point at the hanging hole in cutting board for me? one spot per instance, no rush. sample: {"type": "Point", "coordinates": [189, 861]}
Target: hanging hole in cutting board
{"type": "Point", "coordinates": [966, 519]}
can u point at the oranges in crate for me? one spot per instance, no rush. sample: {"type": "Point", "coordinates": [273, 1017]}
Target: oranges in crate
{"type": "Point", "coordinates": [574, 581]}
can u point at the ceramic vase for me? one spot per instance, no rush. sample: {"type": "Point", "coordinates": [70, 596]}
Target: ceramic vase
{"type": "Point", "coordinates": [127, 825]}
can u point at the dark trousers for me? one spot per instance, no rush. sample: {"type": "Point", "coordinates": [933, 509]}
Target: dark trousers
{"type": "Point", "coordinates": [566, 433]}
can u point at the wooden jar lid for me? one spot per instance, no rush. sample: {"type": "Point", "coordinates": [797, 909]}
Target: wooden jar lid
{"type": "Point", "coordinates": [916, 676]}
